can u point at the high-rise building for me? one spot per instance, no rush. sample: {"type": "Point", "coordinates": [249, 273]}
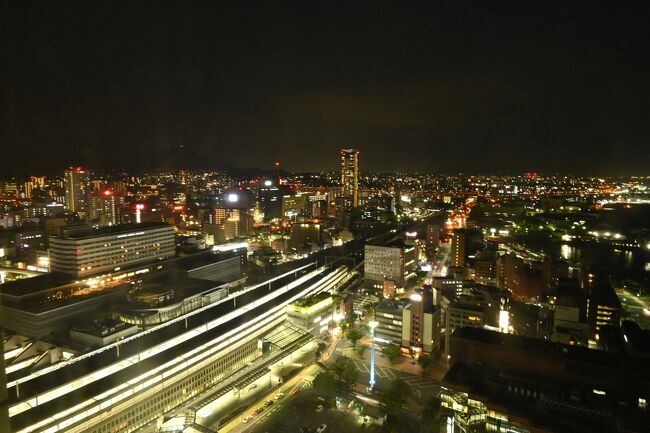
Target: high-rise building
{"type": "Point", "coordinates": [420, 322]}
{"type": "Point", "coordinates": [458, 244]}
{"type": "Point", "coordinates": [105, 207]}
{"type": "Point", "coordinates": [270, 199]}
{"type": "Point", "coordinates": [77, 190]}
{"type": "Point", "coordinates": [350, 177]}
{"type": "Point", "coordinates": [270, 193]}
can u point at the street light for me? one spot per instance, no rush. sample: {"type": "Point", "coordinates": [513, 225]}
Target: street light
{"type": "Point", "coordinates": [373, 324]}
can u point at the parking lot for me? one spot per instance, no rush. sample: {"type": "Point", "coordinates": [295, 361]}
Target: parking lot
{"type": "Point", "coordinates": [301, 410]}
{"type": "Point", "coordinates": [422, 387]}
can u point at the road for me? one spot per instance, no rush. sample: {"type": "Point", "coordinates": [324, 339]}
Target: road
{"type": "Point", "coordinates": [637, 306]}
{"type": "Point", "coordinates": [301, 381]}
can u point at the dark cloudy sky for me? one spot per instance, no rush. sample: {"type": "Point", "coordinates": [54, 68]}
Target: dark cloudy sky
{"type": "Point", "coordinates": [415, 86]}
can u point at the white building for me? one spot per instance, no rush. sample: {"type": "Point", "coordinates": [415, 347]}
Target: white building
{"type": "Point", "coordinates": [388, 263]}
{"type": "Point", "coordinates": [85, 251]}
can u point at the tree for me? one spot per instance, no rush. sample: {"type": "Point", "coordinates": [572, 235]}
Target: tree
{"type": "Point", "coordinates": [392, 352]}
{"type": "Point", "coordinates": [412, 354]}
{"type": "Point", "coordinates": [325, 383]}
{"type": "Point", "coordinates": [362, 349]}
{"type": "Point", "coordinates": [350, 373]}
{"type": "Point", "coordinates": [338, 368]}
{"type": "Point", "coordinates": [356, 334]}
{"type": "Point", "coordinates": [320, 349]}
{"type": "Point", "coordinates": [344, 370]}
{"type": "Point", "coordinates": [395, 395]}
{"type": "Point", "coordinates": [425, 362]}
{"type": "Point", "coordinates": [345, 326]}
{"type": "Point", "coordinates": [430, 409]}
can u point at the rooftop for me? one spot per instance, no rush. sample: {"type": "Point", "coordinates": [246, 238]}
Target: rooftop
{"type": "Point", "coordinates": [178, 281]}
{"type": "Point", "coordinates": [394, 305]}
{"type": "Point", "coordinates": [42, 286]}
{"type": "Point", "coordinates": [103, 328]}
{"type": "Point", "coordinates": [550, 350]}
{"type": "Point", "coordinates": [28, 286]}
{"type": "Point", "coordinates": [86, 232]}
{"type": "Point", "coordinates": [312, 300]}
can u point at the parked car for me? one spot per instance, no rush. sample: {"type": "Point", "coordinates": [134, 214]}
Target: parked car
{"type": "Point", "coordinates": [246, 419]}
{"type": "Point", "coordinates": [321, 428]}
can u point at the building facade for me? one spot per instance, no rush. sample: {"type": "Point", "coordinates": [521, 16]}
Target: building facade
{"type": "Point", "coordinates": [81, 252]}
{"type": "Point", "coordinates": [77, 190]}
{"type": "Point", "coordinates": [391, 262]}
{"type": "Point", "coordinates": [350, 177]}
{"type": "Point", "coordinates": [105, 207]}
{"type": "Point", "coordinates": [458, 247]}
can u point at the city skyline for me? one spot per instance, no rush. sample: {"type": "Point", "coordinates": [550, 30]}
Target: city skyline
{"type": "Point", "coordinates": [319, 217]}
{"type": "Point", "coordinates": [424, 89]}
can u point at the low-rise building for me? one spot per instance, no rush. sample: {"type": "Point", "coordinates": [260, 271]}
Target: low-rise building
{"type": "Point", "coordinates": [317, 313]}
{"type": "Point", "coordinates": [389, 315]}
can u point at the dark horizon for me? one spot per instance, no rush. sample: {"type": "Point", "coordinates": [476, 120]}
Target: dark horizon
{"type": "Point", "coordinates": [421, 89]}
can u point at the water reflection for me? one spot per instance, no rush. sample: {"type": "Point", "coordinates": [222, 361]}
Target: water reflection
{"type": "Point", "coordinates": [568, 252]}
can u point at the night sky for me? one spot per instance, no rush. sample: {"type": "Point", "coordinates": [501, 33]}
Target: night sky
{"type": "Point", "coordinates": [415, 86]}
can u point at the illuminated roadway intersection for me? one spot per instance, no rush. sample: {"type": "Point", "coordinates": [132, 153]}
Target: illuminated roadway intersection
{"type": "Point", "coordinates": [134, 382]}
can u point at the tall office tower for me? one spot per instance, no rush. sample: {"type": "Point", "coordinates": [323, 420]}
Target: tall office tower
{"type": "Point", "coordinates": [77, 190]}
{"type": "Point", "coordinates": [183, 177]}
{"type": "Point", "coordinates": [105, 207]}
{"type": "Point", "coordinates": [270, 193]}
{"type": "Point", "coordinates": [458, 243]}
{"type": "Point", "coordinates": [350, 177]}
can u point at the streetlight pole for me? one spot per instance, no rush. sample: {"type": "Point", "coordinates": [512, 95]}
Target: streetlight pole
{"type": "Point", "coordinates": [373, 324]}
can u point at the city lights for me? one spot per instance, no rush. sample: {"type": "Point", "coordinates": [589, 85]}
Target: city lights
{"type": "Point", "coordinates": [483, 265]}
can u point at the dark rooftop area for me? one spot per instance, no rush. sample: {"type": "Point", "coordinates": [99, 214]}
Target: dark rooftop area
{"type": "Point", "coordinates": [548, 349]}
{"type": "Point", "coordinates": [89, 232]}
{"type": "Point", "coordinates": [177, 280]}
{"type": "Point", "coordinates": [28, 286]}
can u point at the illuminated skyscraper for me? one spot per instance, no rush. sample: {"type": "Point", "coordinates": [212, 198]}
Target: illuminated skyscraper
{"type": "Point", "coordinates": [458, 244]}
{"type": "Point", "coordinates": [105, 207]}
{"type": "Point", "coordinates": [350, 177]}
{"type": "Point", "coordinates": [77, 190]}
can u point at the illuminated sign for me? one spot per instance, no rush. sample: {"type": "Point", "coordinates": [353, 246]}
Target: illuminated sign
{"type": "Point", "coordinates": [127, 235]}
